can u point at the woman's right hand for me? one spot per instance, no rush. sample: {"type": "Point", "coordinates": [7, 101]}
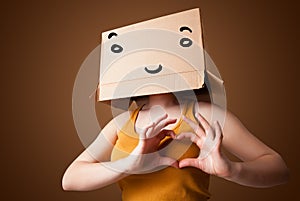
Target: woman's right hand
{"type": "Point", "coordinates": [145, 157]}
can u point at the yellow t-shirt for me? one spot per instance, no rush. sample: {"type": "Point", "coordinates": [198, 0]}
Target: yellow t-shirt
{"type": "Point", "coordinates": [168, 184]}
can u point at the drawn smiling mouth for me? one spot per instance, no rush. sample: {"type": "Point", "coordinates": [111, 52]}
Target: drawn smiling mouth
{"type": "Point", "coordinates": [157, 70]}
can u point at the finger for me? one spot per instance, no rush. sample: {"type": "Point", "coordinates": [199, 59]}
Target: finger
{"type": "Point", "coordinates": [212, 141]}
{"type": "Point", "coordinates": [166, 161]}
{"type": "Point", "coordinates": [219, 135]}
{"type": "Point", "coordinates": [218, 129]}
{"type": "Point", "coordinates": [165, 133]}
{"type": "Point", "coordinates": [146, 130]}
{"type": "Point", "coordinates": [193, 162]}
{"type": "Point", "coordinates": [141, 145]}
{"type": "Point", "coordinates": [142, 133]}
{"type": "Point", "coordinates": [192, 136]}
{"type": "Point", "coordinates": [155, 129]}
{"type": "Point", "coordinates": [160, 118]}
{"type": "Point", "coordinates": [203, 122]}
{"type": "Point", "coordinates": [165, 122]}
{"type": "Point", "coordinates": [149, 132]}
{"type": "Point", "coordinates": [195, 126]}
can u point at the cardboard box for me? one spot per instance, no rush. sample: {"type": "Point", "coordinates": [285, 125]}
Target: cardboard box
{"type": "Point", "coordinates": [156, 56]}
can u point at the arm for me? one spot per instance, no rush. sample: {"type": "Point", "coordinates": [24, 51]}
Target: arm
{"type": "Point", "coordinates": [260, 167]}
{"type": "Point", "coordinates": [93, 170]}
{"type": "Point", "coordinates": [89, 170]}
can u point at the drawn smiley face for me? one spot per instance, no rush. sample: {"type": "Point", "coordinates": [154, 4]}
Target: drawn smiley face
{"type": "Point", "coordinates": [185, 42]}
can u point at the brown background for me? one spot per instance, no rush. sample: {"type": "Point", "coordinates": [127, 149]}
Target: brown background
{"type": "Point", "coordinates": [43, 44]}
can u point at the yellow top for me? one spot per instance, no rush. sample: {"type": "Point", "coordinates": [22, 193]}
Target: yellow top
{"type": "Point", "coordinates": [168, 184]}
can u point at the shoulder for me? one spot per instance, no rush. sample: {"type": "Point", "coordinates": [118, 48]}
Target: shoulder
{"type": "Point", "coordinates": [229, 122]}
{"type": "Point", "coordinates": [204, 108]}
{"type": "Point", "coordinates": [212, 112]}
{"type": "Point", "coordinates": [111, 129]}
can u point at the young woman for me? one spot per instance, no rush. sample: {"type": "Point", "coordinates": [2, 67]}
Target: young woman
{"type": "Point", "coordinates": [150, 158]}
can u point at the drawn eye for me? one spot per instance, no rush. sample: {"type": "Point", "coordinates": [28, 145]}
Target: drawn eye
{"type": "Point", "coordinates": [185, 42]}
{"type": "Point", "coordinates": [116, 48]}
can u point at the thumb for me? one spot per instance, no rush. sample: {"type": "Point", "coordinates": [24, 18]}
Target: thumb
{"type": "Point", "coordinates": [189, 162]}
{"type": "Point", "coordinates": [166, 161]}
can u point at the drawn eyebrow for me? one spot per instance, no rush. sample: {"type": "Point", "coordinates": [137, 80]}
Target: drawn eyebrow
{"type": "Point", "coordinates": [185, 28]}
{"type": "Point", "coordinates": [112, 34]}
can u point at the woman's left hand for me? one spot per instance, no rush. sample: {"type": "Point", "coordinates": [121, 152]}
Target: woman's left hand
{"type": "Point", "coordinates": [208, 138]}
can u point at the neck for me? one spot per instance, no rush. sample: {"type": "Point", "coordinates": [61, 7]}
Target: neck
{"type": "Point", "coordinates": [163, 100]}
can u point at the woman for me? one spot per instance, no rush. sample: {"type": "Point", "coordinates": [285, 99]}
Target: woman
{"type": "Point", "coordinates": [136, 158]}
